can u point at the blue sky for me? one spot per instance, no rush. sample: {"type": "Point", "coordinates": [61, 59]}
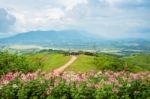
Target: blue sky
{"type": "Point", "coordinates": [107, 18]}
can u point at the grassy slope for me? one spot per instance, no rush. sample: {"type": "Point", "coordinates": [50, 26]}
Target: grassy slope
{"type": "Point", "coordinates": [50, 61]}
{"type": "Point", "coordinates": [85, 63]}
{"type": "Point", "coordinates": [82, 64]}
{"type": "Point", "coordinates": [138, 61]}
{"type": "Point", "coordinates": [54, 61]}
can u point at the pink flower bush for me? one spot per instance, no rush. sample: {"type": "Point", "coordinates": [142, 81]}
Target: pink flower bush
{"type": "Point", "coordinates": [105, 77]}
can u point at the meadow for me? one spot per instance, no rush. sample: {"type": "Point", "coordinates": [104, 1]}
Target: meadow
{"type": "Point", "coordinates": [48, 61]}
{"type": "Point", "coordinates": [84, 63]}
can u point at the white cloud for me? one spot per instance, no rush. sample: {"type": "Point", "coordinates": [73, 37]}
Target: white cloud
{"type": "Point", "coordinates": [102, 17]}
{"type": "Point", "coordinates": [107, 19]}
{"type": "Point", "coordinates": [7, 21]}
{"type": "Point", "coordinates": [70, 4]}
{"type": "Point", "coordinates": [38, 19]}
{"type": "Point", "coordinates": [42, 14]}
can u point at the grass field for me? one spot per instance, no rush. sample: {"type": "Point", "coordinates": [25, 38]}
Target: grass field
{"type": "Point", "coordinates": [50, 61]}
{"type": "Point", "coordinates": [139, 62]}
{"type": "Point", "coordinates": [83, 63]}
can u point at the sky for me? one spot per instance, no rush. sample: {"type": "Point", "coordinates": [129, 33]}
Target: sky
{"type": "Point", "coordinates": [104, 18]}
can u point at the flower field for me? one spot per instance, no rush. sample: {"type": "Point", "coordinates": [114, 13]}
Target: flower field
{"type": "Point", "coordinates": [71, 85]}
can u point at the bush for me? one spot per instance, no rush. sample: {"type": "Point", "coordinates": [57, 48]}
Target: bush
{"type": "Point", "coordinates": [13, 62]}
{"type": "Point", "coordinates": [135, 90]}
{"type": "Point", "coordinates": [106, 93]}
{"type": "Point", "coordinates": [46, 89]}
{"type": "Point", "coordinates": [33, 89]}
{"type": "Point", "coordinates": [10, 90]}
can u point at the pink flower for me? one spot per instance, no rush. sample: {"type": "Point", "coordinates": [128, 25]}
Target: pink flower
{"type": "Point", "coordinates": [115, 90]}
{"type": "Point", "coordinates": [96, 86]}
{"type": "Point", "coordinates": [79, 77]}
{"type": "Point", "coordinates": [8, 76]}
{"type": "Point", "coordinates": [135, 76]}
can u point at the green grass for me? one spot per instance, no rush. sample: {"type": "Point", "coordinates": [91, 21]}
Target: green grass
{"type": "Point", "coordinates": [83, 63]}
{"type": "Point", "coordinates": [136, 63]}
{"type": "Point", "coordinates": [50, 61]}
{"type": "Point", "coordinates": [139, 62]}
{"type": "Point", "coordinates": [54, 61]}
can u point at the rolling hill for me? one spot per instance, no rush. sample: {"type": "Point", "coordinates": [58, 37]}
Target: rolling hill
{"type": "Point", "coordinates": [50, 37]}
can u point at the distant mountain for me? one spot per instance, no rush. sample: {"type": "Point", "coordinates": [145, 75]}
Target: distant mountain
{"type": "Point", "coordinates": [77, 40]}
{"type": "Point", "coordinates": [50, 37]}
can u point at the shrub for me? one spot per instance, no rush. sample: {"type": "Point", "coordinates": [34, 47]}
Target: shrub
{"type": "Point", "coordinates": [13, 62]}
{"type": "Point", "coordinates": [10, 90]}
{"type": "Point", "coordinates": [33, 89]}
{"type": "Point", "coordinates": [135, 90]}
{"type": "Point", "coordinates": [106, 93]}
{"type": "Point", "coordinates": [47, 89]}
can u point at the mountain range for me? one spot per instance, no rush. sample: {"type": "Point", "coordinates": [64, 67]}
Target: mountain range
{"type": "Point", "coordinates": [74, 39]}
{"type": "Point", "coordinates": [51, 37]}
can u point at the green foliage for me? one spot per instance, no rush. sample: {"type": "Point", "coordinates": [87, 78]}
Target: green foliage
{"type": "Point", "coordinates": [135, 90]}
{"type": "Point", "coordinates": [44, 89]}
{"type": "Point", "coordinates": [104, 61]}
{"type": "Point", "coordinates": [106, 93]}
{"type": "Point", "coordinates": [10, 90]}
{"type": "Point", "coordinates": [138, 62]}
{"type": "Point", "coordinates": [134, 63]}
{"type": "Point", "coordinates": [81, 91]}
{"type": "Point", "coordinates": [13, 62]}
{"type": "Point", "coordinates": [50, 61]}
{"type": "Point", "coordinates": [62, 91]}
{"type": "Point", "coordinates": [35, 89]}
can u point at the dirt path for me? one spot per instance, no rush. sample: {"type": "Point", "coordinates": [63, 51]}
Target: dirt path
{"type": "Point", "coordinates": [62, 68]}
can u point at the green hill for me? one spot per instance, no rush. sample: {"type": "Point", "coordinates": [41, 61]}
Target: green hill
{"type": "Point", "coordinates": [49, 61]}
{"type": "Point", "coordinates": [138, 62]}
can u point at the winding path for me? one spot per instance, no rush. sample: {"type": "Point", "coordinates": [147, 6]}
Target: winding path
{"type": "Point", "coordinates": [62, 68]}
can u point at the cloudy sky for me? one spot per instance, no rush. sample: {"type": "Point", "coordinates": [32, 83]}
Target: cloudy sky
{"type": "Point", "coordinates": [108, 18]}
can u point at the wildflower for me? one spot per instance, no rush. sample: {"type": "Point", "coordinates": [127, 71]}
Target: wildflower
{"type": "Point", "coordinates": [1, 87]}
{"type": "Point", "coordinates": [112, 80]}
{"type": "Point", "coordinates": [108, 83]}
{"type": "Point", "coordinates": [128, 85]}
{"type": "Point", "coordinates": [5, 82]}
{"type": "Point", "coordinates": [102, 81]}
{"type": "Point", "coordinates": [79, 77]}
{"type": "Point", "coordinates": [135, 76]}
{"type": "Point", "coordinates": [8, 76]}
{"type": "Point", "coordinates": [99, 73]}
{"type": "Point", "coordinates": [136, 92]}
{"type": "Point", "coordinates": [115, 90]}
{"type": "Point", "coordinates": [96, 86]}
{"type": "Point", "coordinates": [14, 86]}
{"type": "Point", "coordinates": [149, 76]}
{"type": "Point", "coordinates": [49, 89]}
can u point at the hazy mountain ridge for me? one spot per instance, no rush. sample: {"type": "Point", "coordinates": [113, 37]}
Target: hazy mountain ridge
{"type": "Point", "coordinates": [40, 37]}
{"type": "Point", "coordinates": [77, 40]}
